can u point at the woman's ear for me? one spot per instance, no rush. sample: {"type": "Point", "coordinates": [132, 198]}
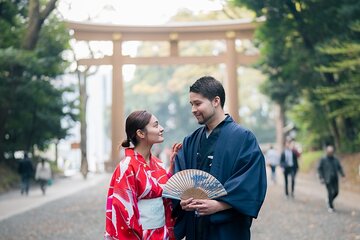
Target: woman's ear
{"type": "Point", "coordinates": [140, 134]}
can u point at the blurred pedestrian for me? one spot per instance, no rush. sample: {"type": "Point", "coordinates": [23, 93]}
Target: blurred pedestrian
{"type": "Point", "coordinates": [272, 160]}
{"type": "Point", "coordinates": [135, 207]}
{"type": "Point", "coordinates": [295, 149]}
{"type": "Point", "coordinates": [289, 163]}
{"type": "Point", "coordinates": [26, 170]}
{"type": "Point", "coordinates": [328, 170]}
{"type": "Point", "coordinates": [43, 174]}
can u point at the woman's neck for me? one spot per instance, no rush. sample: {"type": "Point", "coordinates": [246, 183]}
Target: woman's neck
{"type": "Point", "coordinates": [145, 151]}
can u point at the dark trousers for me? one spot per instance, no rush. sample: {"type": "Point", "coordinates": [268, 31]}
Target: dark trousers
{"type": "Point", "coordinates": [333, 190]}
{"type": "Point", "coordinates": [43, 184]}
{"type": "Point", "coordinates": [289, 172]}
{"type": "Point", "coordinates": [25, 184]}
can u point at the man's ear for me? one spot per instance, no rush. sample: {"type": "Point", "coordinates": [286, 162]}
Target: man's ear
{"type": "Point", "coordinates": [216, 101]}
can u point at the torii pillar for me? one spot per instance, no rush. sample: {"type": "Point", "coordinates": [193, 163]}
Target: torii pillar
{"type": "Point", "coordinates": [231, 68]}
{"type": "Point", "coordinates": [117, 107]}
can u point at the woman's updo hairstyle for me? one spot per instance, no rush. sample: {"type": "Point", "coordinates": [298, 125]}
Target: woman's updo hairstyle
{"type": "Point", "coordinates": [135, 121]}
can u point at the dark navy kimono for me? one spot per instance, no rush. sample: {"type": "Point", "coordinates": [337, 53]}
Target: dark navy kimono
{"type": "Point", "coordinates": [239, 165]}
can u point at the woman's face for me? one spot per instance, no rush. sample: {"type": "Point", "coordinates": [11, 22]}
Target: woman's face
{"type": "Point", "coordinates": [154, 131]}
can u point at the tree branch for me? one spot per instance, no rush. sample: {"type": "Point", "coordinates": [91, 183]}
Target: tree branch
{"type": "Point", "coordinates": [298, 18]}
{"type": "Point", "coordinates": [48, 9]}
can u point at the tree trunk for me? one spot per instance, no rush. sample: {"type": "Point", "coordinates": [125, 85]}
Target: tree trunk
{"type": "Point", "coordinates": [57, 152]}
{"type": "Point", "coordinates": [36, 20]}
{"type": "Point", "coordinates": [82, 77]}
{"type": "Point", "coordinates": [280, 124]}
{"type": "Point", "coordinates": [335, 133]}
{"type": "Point", "coordinates": [3, 116]}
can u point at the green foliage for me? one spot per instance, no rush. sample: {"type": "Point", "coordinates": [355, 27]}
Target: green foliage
{"type": "Point", "coordinates": [32, 107]}
{"type": "Point", "coordinates": [310, 53]}
{"type": "Point", "coordinates": [8, 178]}
{"type": "Point", "coordinates": [310, 119]}
{"type": "Point", "coordinates": [309, 160]}
{"type": "Point", "coordinates": [155, 89]}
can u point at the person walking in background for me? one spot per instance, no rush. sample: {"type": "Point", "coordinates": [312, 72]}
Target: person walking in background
{"type": "Point", "coordinates": [289, 163]}
{"type": "Point", "coordinates": [328, 169]}
{"type": "Point", "coordinates": [43, 174]}
{"type": "Point", "coordinates": [272, 159]}
{"type": "Point", "coordinates": [231, 154]}
{"type": "Point", "coordinates": [295, 149]}
{"type": "Point", "coordinates": [135, 208]}
{"type": "Point", "coordinates": [26, 170]}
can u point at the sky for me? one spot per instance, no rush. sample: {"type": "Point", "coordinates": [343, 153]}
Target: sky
{"type": "Point", "coordinates": [133, 12]}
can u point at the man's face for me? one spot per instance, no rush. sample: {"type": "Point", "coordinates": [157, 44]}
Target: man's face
{"type": "Point", "coordinates": [330, 151]}
{"type": "Point", "coordinates": [202, 108]}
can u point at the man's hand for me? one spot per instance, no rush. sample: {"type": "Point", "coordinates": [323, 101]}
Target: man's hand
{"type": "Point", "coordinates": [186, 205]}
{"type": "Point", "coordinates": [203, 206]}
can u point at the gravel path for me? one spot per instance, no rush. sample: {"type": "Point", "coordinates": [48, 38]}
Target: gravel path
{"type": "Point", "coordinates": [75, 217]}
{"type": "Point", "coordinates": [304, 218]}
{"type": "Point", "coordinates": [81, 216]}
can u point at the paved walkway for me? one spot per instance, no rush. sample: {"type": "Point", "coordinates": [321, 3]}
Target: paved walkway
{"type": "Point", "coordinates": [74, 209]}
{"type": "Point", "coordinates": [12, 203]}
{"type": "Point", "coordinates": [306, 217]}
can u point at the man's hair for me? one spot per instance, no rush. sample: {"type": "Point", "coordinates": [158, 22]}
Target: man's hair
{"type": "Point", "coordinates": [209, 87]}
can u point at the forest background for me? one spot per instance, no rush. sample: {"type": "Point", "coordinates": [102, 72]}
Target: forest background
{"type": "Point", "coordinates": [307, 78]}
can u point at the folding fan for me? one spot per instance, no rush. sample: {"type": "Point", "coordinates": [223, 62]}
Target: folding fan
{"type": "Point", "coordinates": [193, 183]}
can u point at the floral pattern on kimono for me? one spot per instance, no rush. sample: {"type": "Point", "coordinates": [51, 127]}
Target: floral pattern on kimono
{"type": "Point", "coordinates": [132, 181]}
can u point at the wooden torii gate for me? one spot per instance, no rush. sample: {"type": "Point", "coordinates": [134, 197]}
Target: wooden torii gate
{"type": "Point", "coordinates": [172, 33]}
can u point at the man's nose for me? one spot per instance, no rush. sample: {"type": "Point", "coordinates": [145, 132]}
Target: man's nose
{"type": "Point", "coordinates": [193, 109]}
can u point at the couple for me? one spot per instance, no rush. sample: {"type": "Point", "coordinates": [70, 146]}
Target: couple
{"type": "Point", "coordinates": [135, 208]}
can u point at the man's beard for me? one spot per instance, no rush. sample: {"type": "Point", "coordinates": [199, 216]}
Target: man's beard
{"type": "Point", "coordinates": [205, 119]}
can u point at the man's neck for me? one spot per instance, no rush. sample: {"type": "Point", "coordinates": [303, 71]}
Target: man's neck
{"type": "Point", "coordinates": [216, 121]}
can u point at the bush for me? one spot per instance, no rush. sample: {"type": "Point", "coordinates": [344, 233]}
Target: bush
{"type": "Point", "coordinates": [308, 160]}
{"type": "Point", "coordinates": [8, 178]}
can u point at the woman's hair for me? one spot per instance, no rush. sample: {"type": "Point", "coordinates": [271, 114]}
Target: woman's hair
{"type": "Point", "coordinates": [209, 87]}
{"type": "Point", "coordinates": [135, 121]}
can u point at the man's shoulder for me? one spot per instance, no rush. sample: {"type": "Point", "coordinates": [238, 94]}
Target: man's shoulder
{"type": "Point", "coordinates": [194, 133]}
{"type": "Point", "coordinates": [237, 129]}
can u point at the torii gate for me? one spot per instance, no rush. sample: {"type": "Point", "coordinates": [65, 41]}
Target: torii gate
{"type": "Point", "coordinates": [172, 33]}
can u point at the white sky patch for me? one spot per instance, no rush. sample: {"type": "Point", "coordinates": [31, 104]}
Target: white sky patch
{"type": "Point", "coordinates": [134, 12]}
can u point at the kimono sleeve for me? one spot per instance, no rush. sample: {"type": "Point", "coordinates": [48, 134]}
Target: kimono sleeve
{"type": "Point", "coordinates": [122, 211]}
{"type": "Point", "coordinates": [246, 187]}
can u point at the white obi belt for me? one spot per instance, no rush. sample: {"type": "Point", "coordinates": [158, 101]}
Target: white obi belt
{"type": "Point", "coordinates": [152, 213]}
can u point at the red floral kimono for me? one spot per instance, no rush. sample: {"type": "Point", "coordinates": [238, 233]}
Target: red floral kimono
{"type": "Point", "coordinates": [135, 209]}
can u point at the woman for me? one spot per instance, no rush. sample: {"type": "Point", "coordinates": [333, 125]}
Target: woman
{"type": "Point", "coordinates": [43, 174]}
{"type": "Point", "coordinates": [135, 208]}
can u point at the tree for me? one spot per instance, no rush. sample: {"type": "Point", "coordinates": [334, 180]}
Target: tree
{"type": "Point", "coordinates": [291, 39]}
{"type": "Point", "coordinates": [31, 103]}
{"type": "Point", "coordinates": [83, 73]}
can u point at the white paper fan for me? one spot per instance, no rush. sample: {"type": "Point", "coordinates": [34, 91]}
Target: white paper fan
{"type": "Point", "coordinates": [193, 183]}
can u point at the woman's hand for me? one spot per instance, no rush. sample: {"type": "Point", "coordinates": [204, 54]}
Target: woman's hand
{"type": "Point", "coordinates": [175, 149]}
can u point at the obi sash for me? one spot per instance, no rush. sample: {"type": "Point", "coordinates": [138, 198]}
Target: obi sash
{"type": "Point", "coordinates": [152, 213]}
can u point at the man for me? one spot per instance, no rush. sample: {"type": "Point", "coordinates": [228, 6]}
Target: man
{"type": "Point", "coordinates": [232, 155]}
{"type": "Point", "coordinates": [289, 163]}
{"type": "Point", "coordinates": [25, 169]}
{"type": "Point", "coordinates": [328, 170]}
